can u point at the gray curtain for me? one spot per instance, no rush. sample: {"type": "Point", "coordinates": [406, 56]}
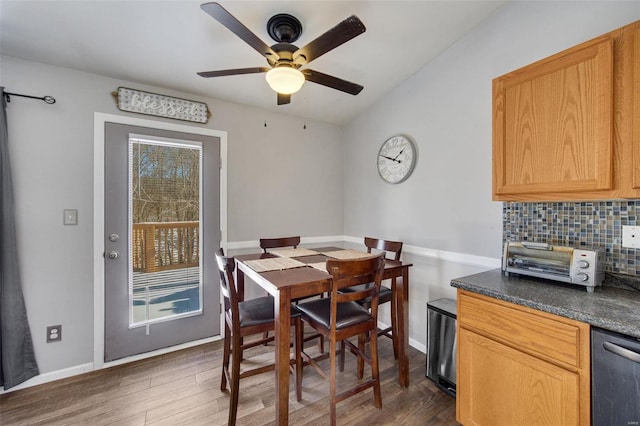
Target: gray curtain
{"type": "Point", "coordinates": [17, 358]}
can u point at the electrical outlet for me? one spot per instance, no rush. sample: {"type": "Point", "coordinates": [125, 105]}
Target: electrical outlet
{"type": "Point", "coordinates": [54, 333]}
{"type": "Point", "coordinates": [631, 236]}
{"type": "Point", "coordinates": [70, 216]}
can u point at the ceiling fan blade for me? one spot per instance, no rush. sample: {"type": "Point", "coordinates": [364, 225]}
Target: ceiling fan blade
{"type": "Point", "coordinates": [283, 99]}
{"type": "Point", "coordinates": [341, 33]}
{"type": "Point", "coordinates": [236, 71]}
{"type": "Point", "coordinates": [221, 15]}
{"type": "Point", "coordinates": [332, 82]}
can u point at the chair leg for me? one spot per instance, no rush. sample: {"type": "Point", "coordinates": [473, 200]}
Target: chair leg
{"type": "Point", "coordinates": [321, 339]}
{"type": "Point", "coordinates": [362, 341]}
{"type": "Point", "coordinates": [394, 327]}
{"type": "Point", "coordinates": [332, 381]}
{"type": "Point", "coordinates": [236, 356]}
{"type": "Point", "coordinates": [225, 356]}
{"type": "Point", "coordinates": [299, 342]}
{"type": "Point", "coordinates": [375, 371]}
{"type": "Point", "coordinates": [342, 352]}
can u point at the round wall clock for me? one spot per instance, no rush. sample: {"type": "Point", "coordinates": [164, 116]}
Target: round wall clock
{"type": "Point", "coordinates": [396, 159]}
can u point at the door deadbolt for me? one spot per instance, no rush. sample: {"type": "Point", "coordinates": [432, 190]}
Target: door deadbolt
{"type": "Point", "coordinates": [114, 237]}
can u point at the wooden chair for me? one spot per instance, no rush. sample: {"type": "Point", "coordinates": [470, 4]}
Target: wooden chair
{"type": "Point", "coordinates": [267, 243]}
{"type": "Point", "coordinates": [279, 242]}
{"type": "Point", "coordinates": [246, 318]}
{"type": "Point", "coordinates": [386, 293]}
{"type": "Point", "coordinates": [340, 317]}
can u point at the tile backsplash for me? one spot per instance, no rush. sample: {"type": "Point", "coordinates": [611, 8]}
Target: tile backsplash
{"type": "Point", "coordinates": [577, 224]}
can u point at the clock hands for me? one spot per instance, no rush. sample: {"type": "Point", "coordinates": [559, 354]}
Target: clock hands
{"type": "Point", "coordinates": [389, 158]}
{"type": "Point", "coordinates": [394, 158]}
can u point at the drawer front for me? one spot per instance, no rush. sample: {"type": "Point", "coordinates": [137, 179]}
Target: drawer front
{"type": "Point", "coordinates": [538, 333]}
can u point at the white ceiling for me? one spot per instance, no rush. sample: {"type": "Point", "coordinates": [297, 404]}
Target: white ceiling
{"type": "Point", "coordinates": [164, 43]}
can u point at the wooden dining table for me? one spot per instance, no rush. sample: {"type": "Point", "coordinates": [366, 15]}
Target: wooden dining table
{"type": "Point", "coordinates": [292, 283]}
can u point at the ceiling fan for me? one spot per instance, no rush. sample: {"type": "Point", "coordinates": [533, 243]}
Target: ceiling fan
{"type": "Point", "coordinates": [284, 58]}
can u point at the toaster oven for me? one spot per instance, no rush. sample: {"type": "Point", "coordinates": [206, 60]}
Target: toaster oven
{"type": "Point", "coordinates": [559, 263]}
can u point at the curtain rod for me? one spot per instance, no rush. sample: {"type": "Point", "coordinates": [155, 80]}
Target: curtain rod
{"type": "Point", "coordinates": [45, 99]}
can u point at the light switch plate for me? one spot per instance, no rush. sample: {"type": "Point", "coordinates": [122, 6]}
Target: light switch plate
{"type": "Point", "coordinates": [631, 236]}
{"type": "Point", "coordinates": [70, 216]}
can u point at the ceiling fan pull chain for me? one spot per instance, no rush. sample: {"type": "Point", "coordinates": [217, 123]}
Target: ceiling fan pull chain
{"type": "Point", "coordinates": [264, 105]}
{"type": "Point", "coordinates": [304, 107]}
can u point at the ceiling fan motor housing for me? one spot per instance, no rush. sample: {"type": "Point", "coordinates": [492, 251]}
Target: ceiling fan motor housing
{"type": "Point", "coordinates": [284, 28]}
{"type": "Point", "coordinates": [285, 54]}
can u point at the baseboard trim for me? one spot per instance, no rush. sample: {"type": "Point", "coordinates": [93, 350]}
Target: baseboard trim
{"type": "Point", "coordinates": [412, 342]}
{"type": "Point", "coordinates": [162, 351]}
{"type": "Point", "coordinates": [51, 376]}
{"type": "Point", "coordinates": [89, 367]}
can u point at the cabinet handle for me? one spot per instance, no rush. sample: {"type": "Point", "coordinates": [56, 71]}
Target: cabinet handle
{"type": "Point", "coordinates": [622, 351]}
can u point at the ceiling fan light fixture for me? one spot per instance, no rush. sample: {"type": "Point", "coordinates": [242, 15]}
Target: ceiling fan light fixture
{"type": "Point", "coordinates": [285, 80]}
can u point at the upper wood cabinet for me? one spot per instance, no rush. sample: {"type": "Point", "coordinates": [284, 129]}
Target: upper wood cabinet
{"type": "Point", "coordinates": [563, 127]}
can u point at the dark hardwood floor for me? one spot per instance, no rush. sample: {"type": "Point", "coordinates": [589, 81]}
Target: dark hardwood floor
{"type": "Point", "coordinates": [183, 388]}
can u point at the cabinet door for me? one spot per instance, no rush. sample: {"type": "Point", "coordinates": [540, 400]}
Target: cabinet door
{"type": "Point", "coordinates": [502, 386]}
{"type": "Point", "coordinates": [552, 124]}
{"type": "Point", "coordinates": [635, 93]}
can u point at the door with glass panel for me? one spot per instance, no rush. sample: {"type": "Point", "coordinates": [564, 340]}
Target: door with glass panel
{"type": "Point", "coordinates": [161, 226]}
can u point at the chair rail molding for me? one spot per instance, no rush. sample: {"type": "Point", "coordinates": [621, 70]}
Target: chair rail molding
{"type": "Point", "coordinates": [449, 256]}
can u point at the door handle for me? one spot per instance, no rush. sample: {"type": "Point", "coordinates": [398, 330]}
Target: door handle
{"type": "Point", "coordinates": [622, 351]}
{"type": "Point", "coordinates": [113, 254]}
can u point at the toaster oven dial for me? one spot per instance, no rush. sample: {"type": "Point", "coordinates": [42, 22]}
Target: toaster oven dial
{"type": "Point", "coordinates": [581, 276]}
{"type": "Point", "coordinates": [583, 264]}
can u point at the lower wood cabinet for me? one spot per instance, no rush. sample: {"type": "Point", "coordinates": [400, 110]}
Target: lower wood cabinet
{"type": "Point", "coordinates": [520, 366]}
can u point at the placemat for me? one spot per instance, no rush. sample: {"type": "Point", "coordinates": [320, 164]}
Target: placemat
{"type": "Point", "coordinates": [292, 252]}
{"type": "Point", "coordinates": [274, 264]}
{"type": "Point", "coordinates": [322, 266]}
{"type": "Point", "coordinates": [347, 254]}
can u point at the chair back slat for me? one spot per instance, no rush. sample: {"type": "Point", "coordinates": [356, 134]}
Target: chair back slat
{"type": "Point", "coordinates": [348, 273]}
{"type": "Point", "coordinates": [386, 246]}
{"type": "Point", "coordinates": [226, 266]}
{"type": "Point", "coordinates": [353, 296]}
{"type": "Point", "coordinates": [267, 243]}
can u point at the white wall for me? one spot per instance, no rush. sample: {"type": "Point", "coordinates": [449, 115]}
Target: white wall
{"type": "Point", "coordinates": [445, 206]}
{"type": "Point", "coordinates": [52, 157]}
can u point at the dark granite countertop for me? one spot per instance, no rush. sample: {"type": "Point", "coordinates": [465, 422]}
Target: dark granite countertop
{"type": "Point", "coordinates": [607, 307]}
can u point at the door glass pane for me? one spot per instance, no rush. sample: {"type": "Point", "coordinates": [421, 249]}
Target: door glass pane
{"type": "Point", "coordinates": [165, 189]}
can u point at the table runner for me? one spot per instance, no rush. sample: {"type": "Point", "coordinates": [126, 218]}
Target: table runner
{"type": "Point", "coordinates": [274, 264]}
{"type": "Point", "coordinates": [292, 252]}
{"type": "Point", "coordinates": [347, 254]}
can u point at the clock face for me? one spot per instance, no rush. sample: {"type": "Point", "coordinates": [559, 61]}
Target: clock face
{"type": "Point", "coordinates": [396, 159]}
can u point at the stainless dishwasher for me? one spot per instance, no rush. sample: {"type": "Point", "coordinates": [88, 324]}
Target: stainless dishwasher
{"type": "Point", "coordinates": [442, 344]}
{"type": "Point", "coordinates": [615, 379]}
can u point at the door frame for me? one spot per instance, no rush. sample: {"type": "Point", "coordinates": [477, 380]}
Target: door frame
{"type": "Point", "coordinates": [98, 223]}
